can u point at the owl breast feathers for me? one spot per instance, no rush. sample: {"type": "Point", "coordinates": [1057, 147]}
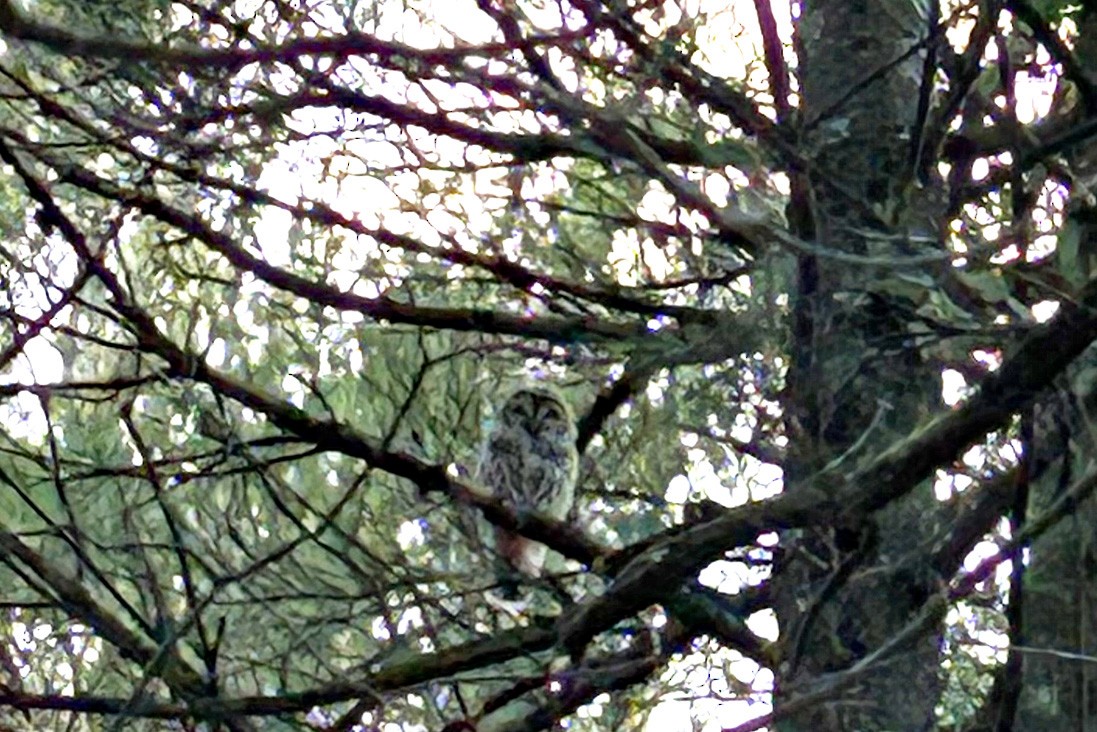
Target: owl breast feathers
{"type": "Point", "coordinates": [530, 462]}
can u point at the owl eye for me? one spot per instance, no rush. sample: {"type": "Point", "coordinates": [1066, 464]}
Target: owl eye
{"type": "Point", "coordinates": [552, 411]}
{"type": "Point", "coordinates": [519, 407]}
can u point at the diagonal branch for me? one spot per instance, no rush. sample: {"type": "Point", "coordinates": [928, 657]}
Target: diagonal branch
{"type": "Point", "coordinates": [16, 24]}
{"type": "Point", "coordinates": [162, 662]}
{"type": "Point", "coordinates": [557, 329]}
{"type": "Point", "coordinates": [389, 677]}
{"type": "Point", "coordinates": [830, 499]}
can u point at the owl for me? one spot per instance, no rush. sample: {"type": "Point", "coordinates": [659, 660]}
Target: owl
{"type": "Point", "coordinates": [529, 462]}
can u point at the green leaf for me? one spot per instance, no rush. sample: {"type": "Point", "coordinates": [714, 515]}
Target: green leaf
{"type": "Point", "coordinates": [991, 286]}
{"type": "Point", "coordinates": [1068, 252]}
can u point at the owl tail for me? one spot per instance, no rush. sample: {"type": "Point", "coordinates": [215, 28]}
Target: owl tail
{"type": "Point", "coordinates": [517, 553]}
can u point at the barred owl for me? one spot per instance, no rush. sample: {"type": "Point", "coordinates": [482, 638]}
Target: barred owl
{"type": "Point", "coordinates": [529, 462]}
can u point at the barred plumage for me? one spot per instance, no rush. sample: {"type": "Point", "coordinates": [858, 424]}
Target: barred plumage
{"type": "Point", "coordinates": [529, 461]}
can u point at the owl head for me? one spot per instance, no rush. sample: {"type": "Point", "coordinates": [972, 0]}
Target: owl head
{"type": "Point", "coordinates": [541, 410]}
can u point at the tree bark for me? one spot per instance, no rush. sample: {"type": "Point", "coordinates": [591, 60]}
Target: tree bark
{"type": "Point", "coordinates": [854, 385]}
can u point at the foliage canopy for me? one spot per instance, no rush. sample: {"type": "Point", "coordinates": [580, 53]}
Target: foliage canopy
{"type": "Point", "coordinates": [268, 265]}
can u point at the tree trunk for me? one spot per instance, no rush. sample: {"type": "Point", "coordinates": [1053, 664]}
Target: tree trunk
{"type": "Point", "coordinates": [854, 386]}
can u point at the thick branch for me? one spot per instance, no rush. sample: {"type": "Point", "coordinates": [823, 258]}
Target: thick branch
{"type": "Point", "coordinates": [557, 329]}
{"type": "Point", "coordinates": [828, 499]}
{"type": "Point", "coordinates": [162, 662]}
{"type": "Point", "coordinates": [15, 24]}
{"type": "Point", "coordinates": [392, 676]}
